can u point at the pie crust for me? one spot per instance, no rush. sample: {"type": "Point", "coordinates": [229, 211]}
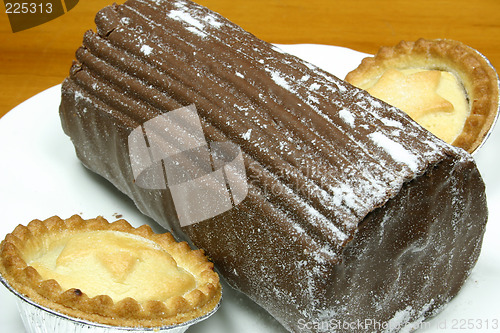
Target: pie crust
{"type": "Point", "coordinates": [189, 301]}
{"type": "Point", "coordinates": [471, 69]}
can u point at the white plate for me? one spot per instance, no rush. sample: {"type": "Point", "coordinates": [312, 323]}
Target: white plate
{"type": "Point", "coordinates": [42, 177]}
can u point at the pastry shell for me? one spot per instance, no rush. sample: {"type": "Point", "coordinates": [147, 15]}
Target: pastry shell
{"type": "Point", "coordinates": [25, 281]}
{"type": "Point", "coordinates": [471, 68]}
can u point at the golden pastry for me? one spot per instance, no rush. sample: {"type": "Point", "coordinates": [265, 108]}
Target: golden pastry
{"type": "Point", "coordinates": [447, 87]}
{"type": "Point", "coordinates": [109, 273]}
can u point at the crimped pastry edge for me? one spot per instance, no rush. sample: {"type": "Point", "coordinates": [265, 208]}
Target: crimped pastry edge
{"type": "Point", "coordinates": [101, 309]}
{"type": "Point", "coordinates": [473, 69]}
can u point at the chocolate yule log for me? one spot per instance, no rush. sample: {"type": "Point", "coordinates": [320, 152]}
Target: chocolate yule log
{"type": "Point", "coordinates": [354, 213]}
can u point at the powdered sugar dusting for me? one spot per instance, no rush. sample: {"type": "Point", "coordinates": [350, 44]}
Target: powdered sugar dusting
{"type": "Point", "coordinates": [280, 80]}
{"type": "Point", "coordinates": [347, 117]}
{"type": "Point", "coordinates": [125, 20]}
{"type": "Point", "coordinates": [396, 150]}
{"type": "Point", "coordinates": [184, 16]}
{"type": "Point", "coordinates": [146, 49]}
{"type": "Point", "coordinates": [392, 123]}
{"type": "Point", "coordinates": [80, 96]}
{"type": "Point", "coordinates": [402, 320]}
{"type": "Point", "coordinates": [247, 134]}
{"type": "Point", "coordinates": [199, 23]}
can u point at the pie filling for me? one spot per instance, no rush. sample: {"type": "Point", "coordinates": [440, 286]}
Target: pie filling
{"type": "Point", "coordinates": [435, 99]}
{"type": "Point", "coordinates": [111, 263]}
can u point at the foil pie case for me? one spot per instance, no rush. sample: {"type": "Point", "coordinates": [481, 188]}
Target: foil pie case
{"type": "Point", "coordinates": [39, 319]}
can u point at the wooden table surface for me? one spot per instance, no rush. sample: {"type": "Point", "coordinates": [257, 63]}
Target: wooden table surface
{"type": "Point", "coordinates": [38, 58]}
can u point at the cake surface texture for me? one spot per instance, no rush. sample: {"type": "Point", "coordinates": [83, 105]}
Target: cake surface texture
{"type": "Point", "coordinates": [354, 213]}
